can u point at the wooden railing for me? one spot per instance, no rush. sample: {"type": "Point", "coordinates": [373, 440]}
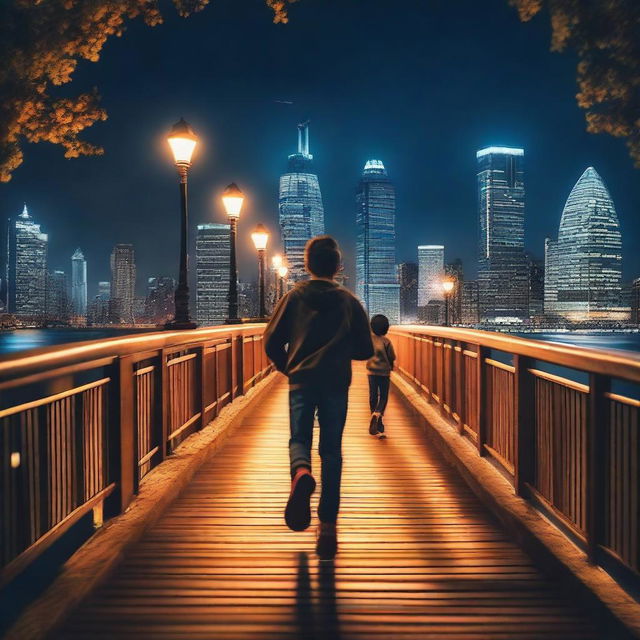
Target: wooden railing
{"type": "Point", "coordinates": [561, 422]}
{"type": "Point", "coordinates": [82, 425]}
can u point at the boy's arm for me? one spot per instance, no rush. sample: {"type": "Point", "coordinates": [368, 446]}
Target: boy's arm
{"type": "Point", "coordinates": [362, 345]}
{"type": "Point", "coordinates": [391, 354]}
{"type": "Point", "coordinates": [276, 335]}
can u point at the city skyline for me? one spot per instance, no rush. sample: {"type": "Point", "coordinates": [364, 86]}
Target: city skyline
{"type": "Point", "coordinates": [416, 115]}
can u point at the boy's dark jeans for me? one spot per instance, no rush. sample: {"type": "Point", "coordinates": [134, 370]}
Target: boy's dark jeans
{"type": "Point", "coordinates": [332, 414]}
{"type": "Point", "coordinates": [378, 393]}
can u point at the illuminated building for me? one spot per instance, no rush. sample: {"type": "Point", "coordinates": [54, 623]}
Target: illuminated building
{"type": "Point", "coordinates": [213, 257]}
{"type": "Point", "coordinates": [300, 206]}
{"type": "Point", "coordinates": [123, 283]}
{"type": "Point", "coordinates": [78, 284]}
{"type": "Point", "coordinates": [376, 273]}
{"type": "Point", "coordinates": [26, 268]}
{"type": "Point", "coordinates": [583, 281]}
{"type": "Point", "coordinates": [503, 279]}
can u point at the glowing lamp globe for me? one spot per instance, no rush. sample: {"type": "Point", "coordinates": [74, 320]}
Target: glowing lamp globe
{"type": "Point", "coordinates": [232, 199]}
{"type": "Point", "coordinates": [447, 286]}
{"type": "Point", "coordinates": [260, 237]}
{"type": "Point", "coordinates": [182, 141]}
{"type": "Point", "coordinates": [276, 261]}
{"type": "Point", "coordinates": [282, 271]}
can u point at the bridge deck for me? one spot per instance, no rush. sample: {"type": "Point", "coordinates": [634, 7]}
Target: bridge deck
{"type": "Point", "coordinates": [419, 556]}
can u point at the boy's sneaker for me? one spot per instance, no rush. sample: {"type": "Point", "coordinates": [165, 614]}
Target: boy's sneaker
{"type": "Point", "coordinates": [374, 424]}
{"type": "Point", "coordinates": [297, 514]}
{"type": "Point", "coordinates": [327, 542]}
{"type": "Point", "coordinates": [380, 425]}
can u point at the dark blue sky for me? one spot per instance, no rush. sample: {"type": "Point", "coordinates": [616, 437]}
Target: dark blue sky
{"type": "Point", "coordinates": [420, 85]}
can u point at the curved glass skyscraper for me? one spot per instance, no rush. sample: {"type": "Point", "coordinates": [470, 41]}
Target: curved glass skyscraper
{"type": "Point", "coordinates": [584, 266]}
{"type": "Point", "coordinates": [376, 272]}
{"type": "Point", "coordinates": [300, 205]}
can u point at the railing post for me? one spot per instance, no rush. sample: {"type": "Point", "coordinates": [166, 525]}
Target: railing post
{"type": "Point", "coordinates": [162, 405]}
{"type": "Point", "coordinates": [599, 385]}
{"type": "Point", "coordinates": [481, 401]}
{"type": "Point", "coordinates": [524, 410]}
{"type": "Point", "coordinates": [122, 444]}
{"type": "Point", "coordinates": [460, 386]}
{"type": "Point", "coordinates": [201, 382]}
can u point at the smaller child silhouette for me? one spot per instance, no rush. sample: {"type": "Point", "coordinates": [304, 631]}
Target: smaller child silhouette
{"type": "Point", "coordinates": [379, 368]}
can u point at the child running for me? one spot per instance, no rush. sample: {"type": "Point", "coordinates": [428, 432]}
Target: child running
{"type": "Point", "coordinates": [379, 368]}
{"type": "Point", "coordinates": [317, 329]}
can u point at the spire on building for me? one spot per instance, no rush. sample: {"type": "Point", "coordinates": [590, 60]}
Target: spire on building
{"type": "Point", "coordinates": [77, 254]}
{"type": "Point", "coordinates": [25, 211]}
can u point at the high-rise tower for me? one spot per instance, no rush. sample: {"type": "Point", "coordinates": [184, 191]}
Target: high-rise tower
{"type": "Point", "coordinates": [583, 279]}
{"type": "Point", "coordinates": [26, 269]}
{"type": "Point", "coordinates": [300, 205]}
{"type": "Point", "coordinates": [376, 272]}
{"type": "Point", "coordinates": [213, 255]}
{"type": "Point", "coordinates": [503, 279]}
{"type": "Point", "coordinates": [123, 282]}
{"type": "Point", "coordinates": [78, 284]}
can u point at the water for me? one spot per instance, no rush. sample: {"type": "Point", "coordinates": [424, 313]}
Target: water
{"type": "Point", "coordinates": [25, 339]}
{"type": "Point", "coordinates": [593, 340]}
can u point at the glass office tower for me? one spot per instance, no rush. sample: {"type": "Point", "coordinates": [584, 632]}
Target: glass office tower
{"type": "Point", "coordinates": [26, 268]}
{"type": "Point", "coordinates": [376, 272]}
{"type": "Point", "coordinates": [213, 256]}
{"type": "Point", "coordinates": [123, 283]}
{"type": "Point", "coordinates": [300, 205]}
{"type": "Point", "coordinates": [408, 277]}
{"type": "Point", "coordinates": [430, 274]}
{"type": "Point", "coordinates": [78, 284]}
{"type": "Point", "coordinates": [584, 266]}
{"type": "Point", "coordinates": [503, 278]}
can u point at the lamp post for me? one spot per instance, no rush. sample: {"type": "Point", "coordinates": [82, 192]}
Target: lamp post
{"type": "Point", "coordinates": [447, 287]}
{"type": "Point", "coordinates": [282, 273]}
{"type": "Point", "coordinates": [182, 141]}
{"type": "Point", "coordinates": [260, 237]}
{"type": "Point", "coordinates": [232, 198]}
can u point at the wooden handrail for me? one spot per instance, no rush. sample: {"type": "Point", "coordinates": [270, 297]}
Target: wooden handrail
{"type": "Point", "coordinates": [614, 363]}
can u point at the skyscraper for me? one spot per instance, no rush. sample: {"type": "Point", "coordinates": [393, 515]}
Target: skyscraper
{"type": "Point", "coordinates": [502, 269]}
{"type": "Point", "coordinates": [159, 305]}
{"type": "Point", "coordinates": [584, 266]}
{"type": "Point", "coordinates": [26, 269]}
{"type": "Point", "coordinates": [57, 298]}
{"type": "Point", "coordinates": [536, 286]}
{"type": "Point", "coordinates": [300, 205]}
{"type": "Point", "coordinates": [454, 271]}
{"type": "Point", "coordinates": [213, 256]}
{"type": "Point", "coordinates": [123, 283]}
{"type": "Point", "coordinates": [430, 277]}
{"type": "Point", "coordinates": [376, 272]}
{"type": "Point", "coordinates": [469, 311]}
{"type": "Point", "coordinates": [408, 276]}
{"type": "Point", "coordinates": [79, 284]}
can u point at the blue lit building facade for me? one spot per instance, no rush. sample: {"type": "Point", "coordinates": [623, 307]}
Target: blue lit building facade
{"type": "Point", "coordinates": [503, 277]}
{"type": "Point", "coordinates": [26, 268]}
{"type": "Point", "coordinates": [213, 257]}
{"type": "Point", "coordinates": [376, 271]}
{"type": "Point", "coordinates": [301, 210]}
{"type": "Point", "coordinates": [583, 276]}
{"type": "Point", "coordinates": [78, 284]}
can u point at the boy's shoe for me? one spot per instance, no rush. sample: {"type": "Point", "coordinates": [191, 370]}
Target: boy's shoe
{"type": "Point", "coordinates": [380, 425]}
{"type": "Point", "coordinates": [373, 425]}
{"type": "Point", "coordinates": [297, 513]}
{"type": "Point", "coordinates": [327, 542]}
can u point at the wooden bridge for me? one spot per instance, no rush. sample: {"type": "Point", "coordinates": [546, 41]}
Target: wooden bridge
{"type": "Point", "coordinates": [84, 427]}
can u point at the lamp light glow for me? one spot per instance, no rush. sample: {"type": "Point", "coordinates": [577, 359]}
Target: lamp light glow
{"type": "Point", "coordinates": [233, 198]}
{"type": "Point", "coordinates": [260, 237]}
{"type": "Point", "coordinates": [182, 141]}
{"type": "Point", "coordinates": [447, 285]}
{"type": "Point", "coordinates": [276, 261]}
{"type": "Point", "coordinates": [282, 271]}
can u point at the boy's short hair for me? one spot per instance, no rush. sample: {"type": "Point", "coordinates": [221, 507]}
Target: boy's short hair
{"type": "Point", "coordinates": [322, 257]}
{"type": "Point", "coordinates": [380, 324]}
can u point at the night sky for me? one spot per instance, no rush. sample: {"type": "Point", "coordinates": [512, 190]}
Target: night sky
{"type": "Point", "coordinates": [419, 84]}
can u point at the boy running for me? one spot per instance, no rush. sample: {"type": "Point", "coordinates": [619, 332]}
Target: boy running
{"type": "Point", "coordinates": [316, 330]}
{"type": "Point", "coordinates": [379, 368]}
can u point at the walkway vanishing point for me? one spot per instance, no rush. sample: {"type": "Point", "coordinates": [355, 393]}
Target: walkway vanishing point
{"type": "Point", "coordinates": [421, 557]}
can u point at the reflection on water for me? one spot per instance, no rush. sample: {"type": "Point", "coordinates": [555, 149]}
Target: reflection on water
{"type": "Point", "coordinates": [25, 339]}
{"type": "Point", "coordinates": [625, 341]}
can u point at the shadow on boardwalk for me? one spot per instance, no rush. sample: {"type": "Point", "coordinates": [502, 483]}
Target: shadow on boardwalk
{"type": "Point", "coordinates": [419, 556]}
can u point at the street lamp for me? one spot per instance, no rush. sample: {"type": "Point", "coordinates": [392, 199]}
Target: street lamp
{"type": "Point", "coordinates": [260, 237]}
{"type": "Point", "coordinates": [182, 141]}
{"type": "Point", "coordinates": [276, 261]}
{"type": "Point", "coordinates": [447, 287]}
{"type": "Point", "coordinates": [232, 199]}
{"type": "Point", "coordinates": [282, 272]}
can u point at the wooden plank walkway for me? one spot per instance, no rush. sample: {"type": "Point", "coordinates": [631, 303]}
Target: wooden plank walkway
{"type": "Point", "coordinates": [419, 556]}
